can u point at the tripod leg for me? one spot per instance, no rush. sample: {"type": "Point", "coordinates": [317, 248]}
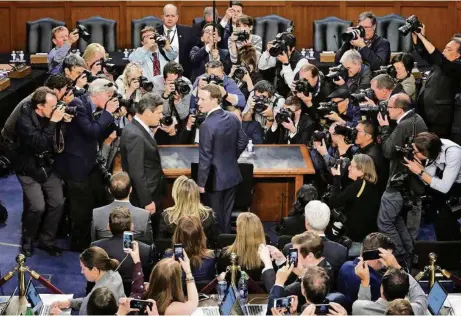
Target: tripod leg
{"type": "Point", "coordinates": [45, 282]}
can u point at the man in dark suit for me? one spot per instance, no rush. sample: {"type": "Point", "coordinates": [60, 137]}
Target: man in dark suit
{"type": "Point", "coordinates": [120, 188]}
{"type": "Point", "coordinates": [222, 140]}
{"type": "Point", "coordinates": [141, 159]}
{"type": "Point", "coordinates": [199, 23]}
{"type": "Point", "coordinates": [252, 129]}
{"type": "Point", "coordinates": [179, 36]}
{"type": "Point", "coordinates": [120, 221]}
{"type": "Point", "coordinates": [77, 163]}
{"type": "Point", "coordinates": [436, 99]}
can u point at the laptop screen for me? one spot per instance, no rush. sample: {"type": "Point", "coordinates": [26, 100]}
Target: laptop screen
{"type": "Point", "coordinates": [228, 302]}
{"type": "Point", "coordinates": [436, 298]}
{"type": "Point", "coordinates": [34, 298]}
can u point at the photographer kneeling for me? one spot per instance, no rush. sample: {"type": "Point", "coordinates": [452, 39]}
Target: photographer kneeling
{"type": "Point", "coordinates": [442, 173]}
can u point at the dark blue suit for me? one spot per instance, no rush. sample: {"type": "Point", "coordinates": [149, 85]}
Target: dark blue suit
{"type": "Point", "coordinates": [222, 140]}
{"type": "Point", "coordinates": [199, 58]}
{"type": "Point", "coordinates": [254, 131]}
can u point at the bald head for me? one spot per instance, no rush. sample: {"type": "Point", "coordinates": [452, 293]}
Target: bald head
{"type": "Point", "coordinates": [400, 100]}
{"type": "Point", "coordinates": [170, 8]}
{"type": "Point", "coordinates": [170, 15]}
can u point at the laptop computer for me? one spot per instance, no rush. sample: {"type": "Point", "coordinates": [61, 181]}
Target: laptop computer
{"type": "Point", "coordinates": [436, 298]}
{"type": "Point", "coordinates": [38, 307]}
{"type": "Point", "coordinates": [224, 309]}
{"type": "Point", "coordinates": [4, 306]}
{"type": "Point", "coordinates": [249, 309]}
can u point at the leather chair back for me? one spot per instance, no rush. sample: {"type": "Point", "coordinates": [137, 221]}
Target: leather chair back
{"type": "Point", "coordinates": [139, 24]}
{"type": "Point", "coordinates": [102, 31]}
{"type": "Point", "coordinates": [39, 35]}
{"type": "Point", "coordinates": [327, 33]}
{"type": "Point", "coordinates": [198, 20]}
{"type": "Point", "coordinates": [269, 26]}
{"type": "Point", "coordinates": [388, 27]}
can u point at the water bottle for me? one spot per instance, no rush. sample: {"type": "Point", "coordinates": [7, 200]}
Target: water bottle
{"type": "Point", "coordinates": [311, 53]}
{"type": "Point", "coordinates": [13, 56]}
{"type": "Point", "coordinates": [126, 53]}
{"type": "Point", "coordinates": [250, 146]}
{"type": "Point", "coordinates": [303, 52]}
{"type": "Point", "coordinates": [21, 56]}
{"type": "Point", "coordinates": [243, 287]}
{"type": "Point", "coordinates": [415, 71]}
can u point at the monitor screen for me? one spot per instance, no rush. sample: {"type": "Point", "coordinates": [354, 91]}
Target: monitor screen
{"type": "Point", "coordinates": [34, 298]}
{"type": "Point", "coordinates": [436, 298]}
{"type": "Point", "coordinates": [228, 302]}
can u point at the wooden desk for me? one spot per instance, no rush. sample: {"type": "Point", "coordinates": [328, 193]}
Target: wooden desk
{"type": "Point", "coordinates": [278, 172]}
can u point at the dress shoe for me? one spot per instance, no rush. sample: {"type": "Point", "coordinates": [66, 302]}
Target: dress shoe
{"type": "Point", "coordinates": [52, 250]}
{"type": "Point", "coordinates": [27, 249]}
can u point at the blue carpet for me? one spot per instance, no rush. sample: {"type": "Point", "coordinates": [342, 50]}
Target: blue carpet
{"type": "Point", "coordinates": [64, 271]}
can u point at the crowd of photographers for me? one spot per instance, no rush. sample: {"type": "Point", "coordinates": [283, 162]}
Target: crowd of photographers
{"type": "Point", "coordinates": [379, 134]}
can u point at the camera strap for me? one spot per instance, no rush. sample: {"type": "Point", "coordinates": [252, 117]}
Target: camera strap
{"type": "Point", "coordinates": [162, 52]}
{"type": "Point", "coordinates": [362, 188]}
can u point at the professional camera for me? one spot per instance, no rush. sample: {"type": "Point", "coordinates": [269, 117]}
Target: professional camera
{"type": "Point", "coordinates": [213, 79]}
{"type": "Point", "coordinates": [181, 87]}
{"type": "Point", "coordinates": [260, 103]}
{"type": "Point", "coordinates": [166, 121]}
{"type": "Point", "coordinates": [353, 34]}
{"type": "Point", "coordinates": [83, 33]}
{"type": "Point", "coordinates": [284, 115]}
{"type": "Point", "coordinates": [45, 158]}
{"type": "Point", "coordinates": [349, 133]}
{"type": "Point", "coordinates": [303, 86]}
{"type": "Point", "coordinates": [343, 163]}
{"type": "Point", "coordinates": [101, 164]}
{"type": "Point", "coordinates": [335, 230]}
{"type": "Point", "coordinates": [160, 40]}
{"type": "Point", "coordinates": [240, 72]}
{"type": "Point", "coordinates": [68, 109]}
{"type": "Point", "coordinates": [373, 110]}
{"type": "Point", "coordinates": [412, 24]}
{"type": "Point", "coordinates": [406, 151]}
{"type": "Point", "coordinates": [389, 69]}
{"type": "Point", "coordinates": [8, 154]}
{"type": "Point", "coordinates": [199, 116]}
{"type": "Point", "coordinates": [336, 72]}
{"type": "Point", "coordinates": [279, 46]}
{"type": "Point", "coordinates": [361, 96]}
{"type": "Point", "coordinates": [127, 103]}
{"type": "Point", "coordinates": [327, 107]}
{"type": "Point", "coordinates": [242, 36]}
{"type": "Point", "coordinates": [145, 84]}
{"type": "Point", "coordinates": [110, 68]}
{"type": "Point", "coordinates": [318, 136]}
{"type": "Point", "coordinates": [90, 77]}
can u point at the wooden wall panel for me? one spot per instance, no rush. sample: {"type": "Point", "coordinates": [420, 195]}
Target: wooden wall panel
{"type": "Point", "coordinates": [134, 13]}
{"type": "Point", "coordinates": [5, 31]}
{"type": "Point", "coordinates": [353, 9]}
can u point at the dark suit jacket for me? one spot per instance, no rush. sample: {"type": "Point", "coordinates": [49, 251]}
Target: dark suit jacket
{"type": "Point", "coordinates": [114, 248]}
{"type": "Point", "coordinates": [361, 80]}
{"type": "Point", "coordinates": [254, 131]}
{"type": "Point", "coordinates": [377, 55]}
{"type": "Point", "coordinates": [198, 58]}
{"type": "Point", "coordinates": [222, 140]}
{"type": "Point", "coordinates": [81, 140]}
{"type": "Point", "coordinates": [293, 225]}
{"type": "Point", "coordinates": [186, 42]}
{"type": "Point", "coordinates": [141, 160]}
{"type": "Point", "coordinates": [306, 127]}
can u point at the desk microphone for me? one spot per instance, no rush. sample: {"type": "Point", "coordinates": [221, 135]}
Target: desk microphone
{"type": "Point", "coordinates": [336, 41]}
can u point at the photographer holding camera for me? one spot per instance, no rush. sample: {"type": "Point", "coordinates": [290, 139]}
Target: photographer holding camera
{"type": "Point", "coordinates": [403, 65]}
{"type": "Point", "coordinates": [340, 109]}
{"type": "Point", "coordinates": [262, 102]}
{"type": "Point", "coordinates": [94, 56]}
{"type": "Point", "coordinates": [77, 163]}
{"type": "Point", "coordinates": [390, 217]}
{"type": "Point", "coordinates": [128, 84]}
{"type": "Point", "coordinates": [229, 21]}
{"type": "Point", "coordinates": [383, 87]}
{"type": "Point", "coordinates": [441, 173]}
{"type": "Point", "coordinates": [282, 56]}
{"type": "Point", "coordinates": [295, 127]}
{"type": "Point", "coordinates": [375, 50]}
{"type": "Point", "coordinates": [310, 88]}
{"type": "Point", "coordinates": [73, 68]}
{"type": "Point", "coordinates": [353, 74]}
{"type": "Point", "coordinates": [246, 73]}
{"type": "Point", "coordinates": [437, 96]}
{"type": "Point", "coordinates": [63, 42]}
{"type": "Point", "coordinates": [39, 132]}
{"type": "Point", "coordinates": [154, 53]}
{"type": "Point", "coordinates": [243, 36]}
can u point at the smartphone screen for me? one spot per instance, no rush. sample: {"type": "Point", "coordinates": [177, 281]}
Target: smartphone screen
{"type": "Point", "coordinates": [321, 309]}
{"type": "Point", "coordinates": [293, 257]}
{"type": "Point", "coordinates": [284, 302]}
{"type": "Point", "coordinates": [178, 252]}
{"type": "Point", "coordinates": [140, 304]}
{"type": "Point", "coordinates": [127, 240]}
{"type": "Point", "coordinates": [371, 255]}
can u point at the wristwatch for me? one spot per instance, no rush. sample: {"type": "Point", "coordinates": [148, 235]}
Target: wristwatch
{"type": "Point", "coordinates": [421, 173]}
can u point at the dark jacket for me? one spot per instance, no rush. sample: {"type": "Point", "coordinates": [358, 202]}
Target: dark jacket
{"type": "Point", "coordinates": [305, 129]}
{"type": "Point", "coordinates": [436, 98]}
{"type": "Point", "coordinates": [381, 163]}
{"type": "Point", "coordinates": [37, 145]}
{"type": "Point", "coordinates": [254, 131]}
{"type": "Point", "coordinates": [361, 80]}
{"type": "Point", "coordinates": [293, 225]}
{"type": "Point", "coordinates": [198, 58]}
{"type": "Point", "coordinates": [81, 140]}
{"type": "Point", "coordinates": [206, 272]}
{"type": "Point", "coordinates": [141, 160]}
{"type": "Point", "coordinates": [377, 55]}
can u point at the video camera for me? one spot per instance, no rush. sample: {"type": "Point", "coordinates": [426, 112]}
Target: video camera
{"type": "Point", "coordinates": [361, 96]}
{"type": "Point", "coordinates": [389, 69]}
{"type": "Point", "coordinates": [412, 24]}
{"type": "Point", "coordinates": [213, 79]}
{"type": "Point", "coordinates": [349, 133]}
{"type": "Point", "coordinates": [284, 116]}
{"type": "Point", "coordinates": [83, 33]}
{"type": "Point", "coordinates": [327, 107]}
{"type": "Point", "coordinates": [353, 34]}
{"type": "Point", "coordinates": [181, 87]}
{"type": "Point", "coordinates": [68, 109]}
{"type": "Point", "coordinates": [242, 36]}
{"type": "Point", "coordinates": [303, 86]}
{"type": "Point", "coordinates": [336, 72]}
{"type": "Point", "coordinates": [260, 103]}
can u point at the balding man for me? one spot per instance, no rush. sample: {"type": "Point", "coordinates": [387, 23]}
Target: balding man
{"type": "Point", "coordinates": [180, 36]}
{"type": "Point", "coordinates": [390, 220]}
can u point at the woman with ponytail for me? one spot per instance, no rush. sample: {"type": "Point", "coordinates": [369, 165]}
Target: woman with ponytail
{"type": "Point", "coordinates": [99, 268]}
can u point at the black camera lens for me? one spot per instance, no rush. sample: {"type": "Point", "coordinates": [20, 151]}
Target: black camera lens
{"type": "Point", "coordinates": [160, 40]}
{"type": "Point", "coordinates": [182, 87]}
{"type": "Point", "coordinates": [303, 86]}
{"type": "Point", "coordinates": [412, 24]}
{"type": "Point", "coordinates": [166, 121]}
{"type": "Point", "coordinates": [260, 104]}
{"type": "Point", "coordinates": [353, 34]}
{"type": "Point", "coordinates": [284, 116]}
{"type": "Point", "coordinates": [278, 48]}
{"type": "Point", "coordinates": [242, 36]}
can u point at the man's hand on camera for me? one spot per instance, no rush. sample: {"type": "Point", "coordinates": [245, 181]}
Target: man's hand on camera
{"type": "Point", "coordinates": [169, 87]}
{"type": "Point", "coordinates": [333, 116]}
{"type": "Point", "coordinates": [360, 42]}
{"type": "Point", "coordinates": [362, 271]}
{"type": "Point", "coordinates": [202, 83]}
{"type": "Point", "coordinates": [368, 102]}
{"type": "Point", "coordinates": [321, 147]}
{"type": "Point", "coordinates": [307, 99]}
{"type": "Point", "coordinates": [339, 82]}
{"type": "Point", "coordinates": [81, 81]}
{"type": "Point", "coordinates": [269, 45]}
{"type": "Point", "coordinates": [215, 54]}
{"type": "Point", "coordinates": [336, 171]}
{"type": "Point", "coordinates": [388, 259]}
{"type": "Point", "coordinates": [289, 126]}
{"type": "Point", "coordinates": [382, 120]}
{"type": "Point", "coordinates": [283, 58]}
{"type": "Point", "coordinates": [413, 165]}
{"type": "Point", "coordinates": [112, 105]}
{"type": "Point", "coordinates": [67, 118]}
{"type": "Point", "coordinates": [58, 114]}
{"type": "Point", "coordinates": [73, 37]}
{"type": "Point", "coordinates": [167, 46]}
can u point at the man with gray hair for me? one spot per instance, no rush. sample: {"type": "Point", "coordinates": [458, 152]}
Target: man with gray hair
{"type": "Point", "coordinates": [141, 158]}
{"type": "Point", "coordinates": [73, 68]}
{"type": "Point", "coordinates": [358, 74]}
{"type": "Point", "coordinates": [317, 216]}
{"type": "Point", "coordinates": [77, 163]}
{"type": "Point", "coordinates": [384, 87]}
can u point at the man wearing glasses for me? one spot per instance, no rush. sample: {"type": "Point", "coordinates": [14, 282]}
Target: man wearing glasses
{"type": "Point", "coordinates": [375, 50]}
{"type": "Point", "coordinates": [390, 219]}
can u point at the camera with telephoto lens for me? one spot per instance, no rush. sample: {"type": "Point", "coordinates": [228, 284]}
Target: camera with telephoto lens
{"type": "Point", "coordinates": [303, 86]}
{"type": "Point", "coordinates": [242, 36]}
{"type": "Point", "coordinates": [83, 33]}
{"type": "Point", "coordinates": [327, 107]}
{"type": "Point", "coordinates": [260, 103]}
{"type": "Point", "coordinates": [342, 163]}
{"type": "Point", "coordinates": [160, 40]}
{"type": "Point", "coordinates": [354, 33]}
{"type": "Point", "coordinates": [166, 120]}
{"type": "Point", "coordinates": [349, 133]}
{"type": "Point", "coordinates": [361, 96]}
{"type": "Point", "coordinates": [145, 84]}
{"type": "Point", "coordinates": [373, 110]}
{"type": "Point", "coordinates": [389, 69]}
{"type": "Point", "coordinates": [336, 72]}
{"type": "Point", "coordinates": [68, 109]}
{"type": "Point", "coordinates": [412, 24]}
{"type": "Point", "coordinates": [181, 87]}
{"type": "Point", "coordinates": [240, 72]}
{"type": "Point", "coordinates": [405, 151]}
{"type": "Point", "coordinates": [279, 46]}
{"type": "Point", "coordinates": [213, 79]}
{"type": "Point", "coordinates": [284, 116]}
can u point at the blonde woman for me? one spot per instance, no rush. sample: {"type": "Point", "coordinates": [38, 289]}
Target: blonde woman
{"type": "Point", "coordinates": [92, 55]}
{"type": "Point", "coordinates": [250, 234]}
{"type": "Point", "coordinates": [186, 197]}
{"type": "Point", "coordinates": [128, 83]}
{"type": "Point", "coordinates": [360, 199]}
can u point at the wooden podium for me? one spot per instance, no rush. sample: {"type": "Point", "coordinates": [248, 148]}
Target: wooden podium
{"type": "Point", "coordinates": [278, 173]}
